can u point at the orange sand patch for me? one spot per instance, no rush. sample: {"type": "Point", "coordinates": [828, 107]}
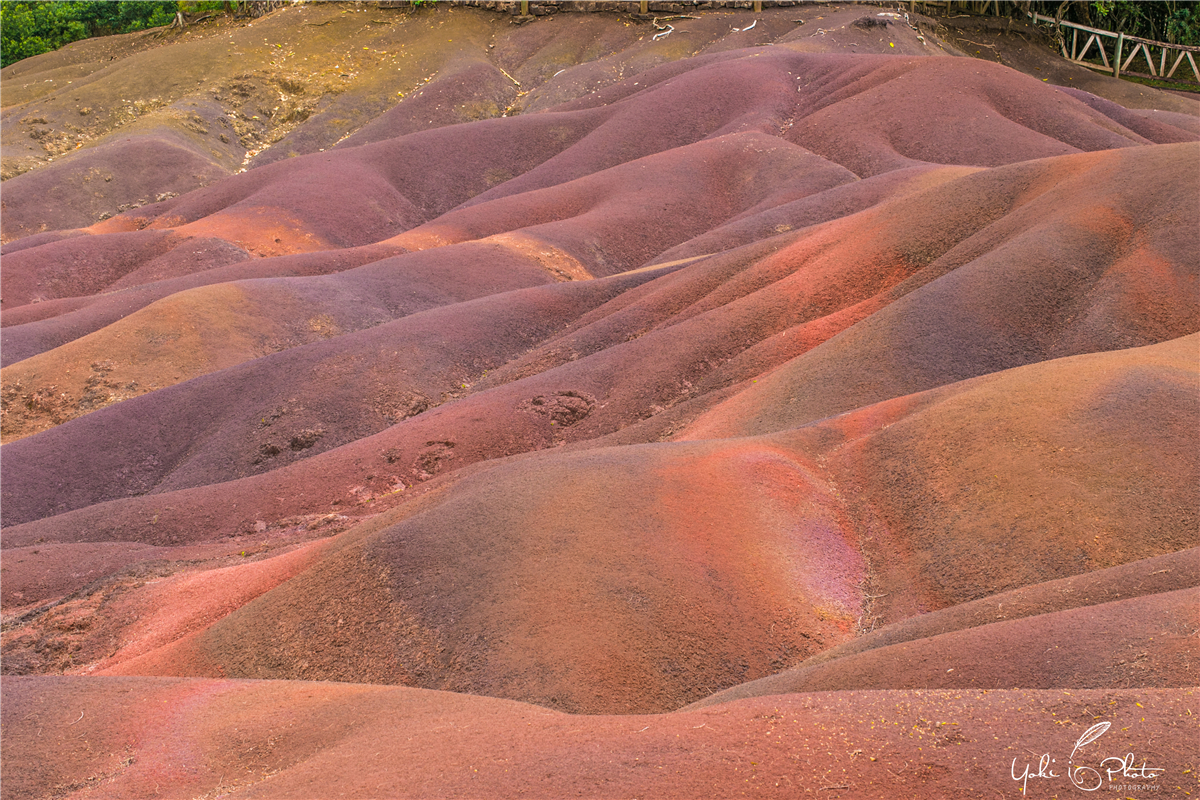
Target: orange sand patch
{"type": "Point", "coordinates": [172, 340]}
{"type": "Point", "coordinates": [164, 611]}
{"type": "Point", "coordinates": [263, 231]}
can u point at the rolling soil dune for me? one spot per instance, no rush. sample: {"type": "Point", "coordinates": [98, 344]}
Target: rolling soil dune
{"type": "Point", "coordinates": [731, 404]}
{"type": "Point", "coordinates": [296, 740]}
{"type": "Point", "coordinates": [1065, 615]}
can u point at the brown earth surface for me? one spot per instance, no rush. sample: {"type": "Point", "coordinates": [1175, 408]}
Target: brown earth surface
{"type": "Point", "coordinates": [435, 403]}
{"type": "Point", "coordinates": [289, 739]}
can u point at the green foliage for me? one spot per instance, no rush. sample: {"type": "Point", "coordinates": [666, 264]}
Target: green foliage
{"type": "Point", "coordinates": [27, 29]}
{"type": "Point", "coordinates": [194, 8]}
{"type": "Point", "coordinates": [1174, 21]}
{"type": "Point", "coordinates": [104, 18]}
{"type": "Point", "coordinates": [1178, 23]}
{"type": "Point", "coordinates": [30, 28]}
{"type": "Point", "coordinates": [1183, 26]}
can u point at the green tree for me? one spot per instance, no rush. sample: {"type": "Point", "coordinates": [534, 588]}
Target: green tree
{"type": "Point", "coordinates": [1183, 24]}
{"type": "Point", "coordinates": [27, 29]}
{"type": "Point", "coordinates": [30, 28]}
{"type": "Point", "coordinates": [104, 18]}
{"type": "Point", "coordinates": [1175, 21]}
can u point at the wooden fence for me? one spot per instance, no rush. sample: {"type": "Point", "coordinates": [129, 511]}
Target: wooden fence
{"type": "Point", "coordinates": [1175, 54]}
{"type": "Point", "coordinates": [1076, 42]}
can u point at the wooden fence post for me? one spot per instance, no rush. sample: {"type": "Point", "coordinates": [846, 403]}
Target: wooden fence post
{"type": "Point", "coordinates": [1117, 60]}
{"type": "Point", "coordinates": [644, 7]}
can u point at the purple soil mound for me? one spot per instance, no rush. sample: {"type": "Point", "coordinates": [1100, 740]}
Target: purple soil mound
{"type": "Point", "coordinates": [755, 549]}
{"type": "Point", "coordinates": [139, 170]}
{"type": "Point", "coordinates": [763, 367]}
{"type": "Point", "coordinates": [38, 327]}
{"type": "Point", "coordinates": [262, 423]}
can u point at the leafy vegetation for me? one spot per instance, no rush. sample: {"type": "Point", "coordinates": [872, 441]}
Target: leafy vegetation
{"type": "Point", "coordinates": [30, 28]}
{"type": "Point", "coordinates": [1174, 21]}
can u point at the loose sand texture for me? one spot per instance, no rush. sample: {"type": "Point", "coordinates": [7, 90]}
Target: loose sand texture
{"type": "Point", "coordinates": [410, 403]}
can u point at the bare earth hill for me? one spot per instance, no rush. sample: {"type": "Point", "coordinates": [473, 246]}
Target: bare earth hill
{"type": "Point", "coordinates": [411, 403]}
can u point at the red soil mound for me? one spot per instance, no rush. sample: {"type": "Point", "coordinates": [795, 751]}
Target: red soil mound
{"type": "Point", "coordinates": [137, 170]}
{"type": "Point", "coordinates": [742, 556]}
{"type": "Point", "coordinates": [1059, 274]}
{"type": "Point", "coordinates": [672, 600]}
{"type": "Point", "coordinates": [197, 331]}
{"type": "Point", "coordinates": [41, 326]}
{"type": "Point", "coordinates": [300, 740]}
{"type": "Point", "coordinates": [1165, 573]}
{"type": "Point", "coordinates": [78, 266]}
{"type": "Point", "coordinates": [1090, 646]}
{"type": "Point", "coordinates": [265, 424]}
{"type": "Point", "coordinates": [602, 367]}
{"type": "Point", "coordinates": [947, 283]}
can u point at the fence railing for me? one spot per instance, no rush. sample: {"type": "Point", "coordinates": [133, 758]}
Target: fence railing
{"type": "Point", "coordinates": [1124, 48]}
{"type": "Point", "coordinates": [1174, 53]}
